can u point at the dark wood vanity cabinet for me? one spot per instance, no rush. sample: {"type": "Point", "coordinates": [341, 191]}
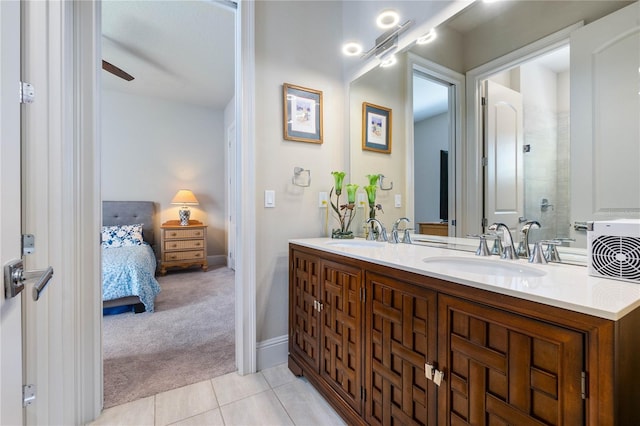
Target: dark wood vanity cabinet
{"type": "Point", "coordinates": [325, 331]}
{"type": "Point", "coordinates": [362, 333]}
{"type": "Point", "coordinates": [401, 336]}
{"type": "Point", "coordinates": [503, 368]}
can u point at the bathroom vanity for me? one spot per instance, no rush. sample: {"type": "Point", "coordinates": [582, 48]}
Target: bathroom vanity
{"type": "Point", "coordinates": [410, 334]}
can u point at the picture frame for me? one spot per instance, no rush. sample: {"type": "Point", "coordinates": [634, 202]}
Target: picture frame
{"type": "Point", "coordinates": [302, 114]}
{"type": "Point", "coordinates": [376, 128]}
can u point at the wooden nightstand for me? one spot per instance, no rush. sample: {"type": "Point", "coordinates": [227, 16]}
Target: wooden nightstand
{"type": "Point", "coordinates": [183, 246]}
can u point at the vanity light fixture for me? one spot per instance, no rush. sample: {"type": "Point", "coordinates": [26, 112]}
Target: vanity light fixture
{"type": "Point", "coordinates": [428, 37]}
{"type": "Point", "coordinates": [387, 19]}
{"type": "Point", "coordinates": [352, 48]}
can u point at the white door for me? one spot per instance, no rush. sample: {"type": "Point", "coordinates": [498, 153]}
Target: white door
{"type": "Point", "coordinates": [605, 118]}
{"type": "Point", "coordinates": [11, 412]}
{"type": "Point", "coordinates": [503, 174]}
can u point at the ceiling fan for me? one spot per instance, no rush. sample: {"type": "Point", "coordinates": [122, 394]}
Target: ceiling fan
{"type": "Point", "coordinates": [109, 67]}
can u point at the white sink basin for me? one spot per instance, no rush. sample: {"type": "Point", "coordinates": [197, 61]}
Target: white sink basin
{"type": "Point", "coordinates": [355, 243]}
{"type": "Point", "coordinates": [497, 267]}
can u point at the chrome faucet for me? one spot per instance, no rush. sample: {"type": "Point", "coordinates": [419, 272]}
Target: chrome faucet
{"type": "Point", "coordinates": [523, 246]}
{"type": "Point", "coordinates": [382, 233]}
{"type": "Point", "coordinates": [508, 251]}
{"type": "Point", "coordinates": [395, 238]}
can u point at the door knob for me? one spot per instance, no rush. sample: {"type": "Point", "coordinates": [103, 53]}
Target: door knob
{"type": "Point", "coordinates": [15, 277]}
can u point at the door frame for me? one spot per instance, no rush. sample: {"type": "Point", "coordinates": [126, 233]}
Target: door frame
{"type": "Point", "coordinates": [472, 173]}
{"type": "Point", "coordinates": [86, 21]}
{"type": "Point", "coordinates": [456, 135]}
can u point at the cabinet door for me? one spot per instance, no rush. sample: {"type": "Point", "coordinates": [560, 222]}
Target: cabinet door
{"type": "Point", "coordinates": [304, 292]}
{"type": "Point", "coordinates": [504, 369]}
{"type": "Point", "coordinates": [401, 320]}
{"type": "Point", "coordinates": [341, 330]}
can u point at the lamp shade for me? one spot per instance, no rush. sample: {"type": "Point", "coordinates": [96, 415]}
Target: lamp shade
{"type": "Point", "coordinates": [185, 197]}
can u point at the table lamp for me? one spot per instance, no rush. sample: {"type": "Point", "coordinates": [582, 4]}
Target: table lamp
{"type": "Point", "coordinates": [185, 198]}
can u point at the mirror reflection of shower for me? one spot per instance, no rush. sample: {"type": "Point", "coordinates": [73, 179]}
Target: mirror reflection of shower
{"type": "Point", "coordinates": [544, 85]}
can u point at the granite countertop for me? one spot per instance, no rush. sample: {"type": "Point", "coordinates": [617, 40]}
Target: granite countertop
{"type": "Point", "coordinates": [560, 285]}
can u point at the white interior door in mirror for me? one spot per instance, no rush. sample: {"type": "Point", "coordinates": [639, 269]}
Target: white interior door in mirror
{"type": "Point", "coordinates": [503, 176]}
{"type": "Point", "coordinates": [605, 117]}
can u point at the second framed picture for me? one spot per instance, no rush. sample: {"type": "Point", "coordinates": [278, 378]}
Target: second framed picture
{"type": "Point", "coordinates": [302, 114]}
{"type": "Point", "coordinates": [376, 128]}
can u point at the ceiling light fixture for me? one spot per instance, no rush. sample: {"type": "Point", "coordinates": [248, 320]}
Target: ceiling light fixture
{"type": "Point", "coordinates": [390, 61]}
{"type": "Point", "coordinates": [387, 19]}
{"type": "Point", "coordinates": [352, 48]}
{"type": "Point", "coordinates": [428, 37]}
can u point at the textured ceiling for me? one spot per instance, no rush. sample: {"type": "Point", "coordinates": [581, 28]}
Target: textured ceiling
{"type": "Point", "coordinates": [176, 50]}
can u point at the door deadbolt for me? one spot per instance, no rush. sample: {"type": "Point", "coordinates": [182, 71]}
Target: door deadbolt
{"type": "Point", "coordinates": [15, 277]}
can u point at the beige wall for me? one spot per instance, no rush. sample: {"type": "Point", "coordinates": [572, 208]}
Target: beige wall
{"type": "Point", "coordinates": [153, 147]}
{"type": "Point", "coordinates": [296, 43]}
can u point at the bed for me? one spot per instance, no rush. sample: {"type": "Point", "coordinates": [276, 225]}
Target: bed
{"type": "Point", "coordinates": [128, 255]}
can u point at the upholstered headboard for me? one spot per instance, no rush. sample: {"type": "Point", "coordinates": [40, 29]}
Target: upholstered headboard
{"type": "Point", "coordinates": [129, 213]}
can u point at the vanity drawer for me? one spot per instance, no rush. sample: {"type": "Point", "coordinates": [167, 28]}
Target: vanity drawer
{"type": "Point", "coordinates": [175, 234]}
{"type": "Point", "coordinates": [183, 244]}
{"type": "Point", "coordinates": [183, 255]}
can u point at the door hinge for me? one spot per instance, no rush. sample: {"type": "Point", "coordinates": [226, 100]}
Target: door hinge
{"type": "Point", "coordinates": [483, 101]}
{"type": "Point", "coordinates": [453, 222]}
{"type": "Point", "coordinates": [485, 161]}
{"type": "Point", "coordinates": [363, 294]}
{"type": "Point", "coordinates": [485, 222]}
{"type": "Point", "coordinates": [363, 394]}
{"type": "Point", "coordinates": [27, 93]}
{"type": "Point", "coordinates": [28, 394]}
{"type": "Point", "coordinates": [583, 385]}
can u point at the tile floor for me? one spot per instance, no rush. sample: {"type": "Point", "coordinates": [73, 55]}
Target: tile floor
{"type": "Point", "coordinates": [271, 397]}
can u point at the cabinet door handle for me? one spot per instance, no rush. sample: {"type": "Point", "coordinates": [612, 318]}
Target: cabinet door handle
{"type": "Point", "coordinates": [173, 234]}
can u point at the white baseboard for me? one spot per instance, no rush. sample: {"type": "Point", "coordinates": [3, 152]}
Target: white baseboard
{"type": "Point", "coordinates": [272, 352]}
{"type": "Point", "coordinates": [217, 260]}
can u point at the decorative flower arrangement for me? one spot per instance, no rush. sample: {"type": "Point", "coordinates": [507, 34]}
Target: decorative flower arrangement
{"type": "Point", "coordinates": [371, 195]}
{"type": "Point", "coordinates": [345, 212]}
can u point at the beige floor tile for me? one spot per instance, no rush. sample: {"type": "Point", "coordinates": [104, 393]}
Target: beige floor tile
{"type": "Point", "coordinates": [182, 403]}
{"type": "Point", "coordinates": [305, 405]}
{"type": "Point", "coordinates": [233, 387]}
{"type": "Point", "coordinates": [210, 418]}
{"type": "Point", "coordinates": [278, 375]}
{"type": "Point", "coordinates": [139, 413]}
{"type": "Point", "coordinates": [261, 409]}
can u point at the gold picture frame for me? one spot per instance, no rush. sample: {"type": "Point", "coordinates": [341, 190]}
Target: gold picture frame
{"type": "Point", "coordinates": [302, 113]}
{"type": "Point", "coordinates": [376, 128]}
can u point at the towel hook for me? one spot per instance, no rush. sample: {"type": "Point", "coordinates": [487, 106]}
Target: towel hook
{"type": "Point", "coordinates": [297, 173]}
{"type": "Point", "coordinates": [382, 187]}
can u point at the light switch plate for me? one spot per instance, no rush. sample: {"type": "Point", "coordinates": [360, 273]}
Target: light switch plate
{"type": "Point", "coordinates": [323, 199]}
{"type": "Point", "coordinates": [398, 200]}
{"type": "Point", "coordinates": [269, 198]}
{"type": "Point", "coordinates": [362, 200]}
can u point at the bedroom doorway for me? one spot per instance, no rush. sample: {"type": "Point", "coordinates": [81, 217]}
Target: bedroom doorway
{"type": "Point", "coordinates": [168, 139]}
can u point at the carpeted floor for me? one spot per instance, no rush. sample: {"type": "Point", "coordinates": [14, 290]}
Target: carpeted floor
{"type": "Point", "coordinates": [189, 338]}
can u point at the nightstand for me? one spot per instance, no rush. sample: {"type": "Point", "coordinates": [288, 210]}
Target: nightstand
{"type": "Point", "coordinates": [183, 246]}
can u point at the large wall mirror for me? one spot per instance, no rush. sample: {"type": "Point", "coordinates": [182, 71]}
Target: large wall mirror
{"type": "Point", "coordinates": [560, 172]}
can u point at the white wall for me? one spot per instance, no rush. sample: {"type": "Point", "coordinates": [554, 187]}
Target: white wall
{"type": "Point", "coordinates": [296, 43]}
{"type": "Point", "coordinates": [430, 136]}
{"type": "Point", "coordinates": [153, 147]}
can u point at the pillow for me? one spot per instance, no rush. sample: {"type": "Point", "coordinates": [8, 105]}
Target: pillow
{"type": "Point", "coordinates": [122, 235]}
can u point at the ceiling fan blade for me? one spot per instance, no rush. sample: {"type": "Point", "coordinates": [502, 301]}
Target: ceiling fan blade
{"type": "Point", "coordinates": [116, 71]}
